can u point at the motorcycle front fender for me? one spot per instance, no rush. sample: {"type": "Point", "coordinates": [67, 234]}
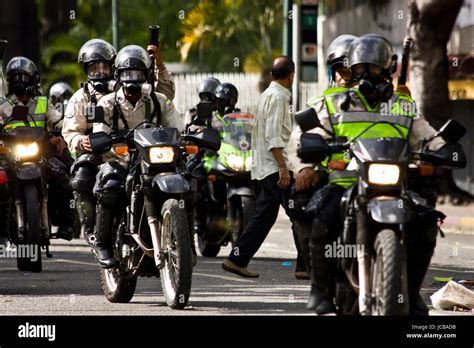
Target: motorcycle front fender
{"type": "Point", "coordinates": [389, 210]}
{"type": "Point", "coordinates": [172, 183]}
{"type": "Point", "coordinates": [28, 172]}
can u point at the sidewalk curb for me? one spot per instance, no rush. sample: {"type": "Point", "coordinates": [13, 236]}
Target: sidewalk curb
{"type": "Point", "coordinates": [461, 225]}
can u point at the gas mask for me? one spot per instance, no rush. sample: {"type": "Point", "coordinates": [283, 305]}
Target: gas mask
{"type": "Point", "coordinates": [373, 86]}
{"type": "Point", "coordinates": [137, 88]}
{"type": "Point", "coordinates": [99, 75]}
{"type": "Point", "coordinates": [134, 82]}
{"type": "Point", "coordinates": [20, 84]}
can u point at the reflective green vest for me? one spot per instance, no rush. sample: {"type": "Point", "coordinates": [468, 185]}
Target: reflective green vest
{"type": "Point", "coordinates": [37, 112]}
{"type": "Point", "coordinates": [399, 111]}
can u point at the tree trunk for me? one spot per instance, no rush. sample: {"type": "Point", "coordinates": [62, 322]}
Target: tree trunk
{"type": "Point", "coordinates": [430, 25]}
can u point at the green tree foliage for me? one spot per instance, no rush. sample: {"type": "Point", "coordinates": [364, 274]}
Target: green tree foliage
{"type": "Point", "coordinates": [232, 35]}
{"type": "Point", "coordinates": [93, 19]}
{"type": "Point", "coordinates": [215, 35]}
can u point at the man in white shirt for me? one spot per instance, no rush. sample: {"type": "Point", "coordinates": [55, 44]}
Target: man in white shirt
{"type": "Point", "coordinates": [270, 138]}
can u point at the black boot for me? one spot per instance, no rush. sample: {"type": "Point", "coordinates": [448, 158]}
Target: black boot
{"type": "Point", "coordinates": [418, 262]}
{"type": "Point", "coordinates": [85, 207]}
{"type": "Point", "coordinates": [103, 233]}
{"type": "Point", "coordinates": [321, 298]}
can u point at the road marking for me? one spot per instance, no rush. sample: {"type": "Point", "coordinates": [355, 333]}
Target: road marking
{"type": "Point", "coordinates": [224, 277]}
{"type": "Point", "coordinates": [77, 262]}
{"type": "Point", "coordinates": [449, 270]}
{"type": "Point", "coordinates": [281, 251]}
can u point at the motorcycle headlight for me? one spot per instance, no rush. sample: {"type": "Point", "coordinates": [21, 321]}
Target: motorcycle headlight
{"type": "Point", "coordinates": [248, 163]}
{"type": "Point", "coordinates": [29, 150]}
{"type": "Point", "coordinates": [384, 174]}
{"type": "Point", "coordinates": [235, 162]}
{"type": "Point", "coordinates": [161, 154]}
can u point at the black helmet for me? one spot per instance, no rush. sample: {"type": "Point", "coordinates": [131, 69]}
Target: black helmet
{"type": "Point", "coordinates": [338, 49]}
{"type": "Point", "coordinates": [227, 96]}
{"type": "Point", "coordinates": [60, 92]}
{"type": "Point", "coordinates": [97, 57]}
{"type": "Point", "coordinates": [372, 49]}
{"type": "Point", "coordinates": [207, 87]}
{"type": "Point", "coordinates": [374, 80]}
{"type": "Point", "coordinates": [22, 76]}
{"type": "Point", "coordinates": [227, 91]}
{"type": "Point", "coordinates": [96, 50]}
{"type": "Point", "coordinates": [130, 61]}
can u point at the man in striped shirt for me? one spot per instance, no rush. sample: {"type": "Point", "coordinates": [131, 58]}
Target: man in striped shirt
{"type": "Point", "coordinates": [270, 138]}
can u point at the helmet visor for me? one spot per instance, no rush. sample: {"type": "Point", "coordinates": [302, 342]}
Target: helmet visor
{"type": "Point", "coordinates": [374, 71]}
{"type": "Point", "coordinates": [20, 78]}
{"type": "Point", "coordinates": [99, 70]}
{"type": "Point", "coordinates": [132, 75]}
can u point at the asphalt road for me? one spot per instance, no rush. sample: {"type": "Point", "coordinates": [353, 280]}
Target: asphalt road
{"type": "Point", "coordinates": [69, 283]}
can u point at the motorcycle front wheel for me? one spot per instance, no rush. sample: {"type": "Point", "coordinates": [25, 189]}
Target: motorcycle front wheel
{"type": "Point", "coordinates": [33, 240]}
{"type": "Point", "coordinates": [176, 275]}
{"type": "Point", "coordinates": [386, 275]}
{"type": "Point", "coordinates": [243, 209]}
{"type": "Point", "coordinates": [118, 287]}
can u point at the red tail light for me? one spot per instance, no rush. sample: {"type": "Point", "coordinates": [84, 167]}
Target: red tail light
{"type": "Point", "coordinates": [3, 177]}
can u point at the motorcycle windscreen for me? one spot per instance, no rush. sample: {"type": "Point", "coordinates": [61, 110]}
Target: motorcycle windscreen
{"type": "Point", "coordinates": [156, 136]}
{"type": "Point", "coordinates": [28, 132]}
{"type": "Point", "coordinates": [381, 150]}
{"type": "Point", "coordinates": [238, 130]}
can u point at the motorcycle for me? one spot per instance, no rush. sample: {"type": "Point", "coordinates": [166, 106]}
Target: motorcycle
{"type": "Point", "coordinates": [227, 195]}
{"type": "Point", "coordinates": [24, 172]}
{"type": "Point", "coordinates": [377, 212]}
{"type": "Point", "coordinates": [152, 228]}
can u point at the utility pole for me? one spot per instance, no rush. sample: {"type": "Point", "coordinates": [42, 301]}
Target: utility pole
{"type": "Point", "coordinates": [296, 43]}
{"type": "Point", "coordinates": [115, 24]}
{"type": "Point", "coordinates": [287, 27]}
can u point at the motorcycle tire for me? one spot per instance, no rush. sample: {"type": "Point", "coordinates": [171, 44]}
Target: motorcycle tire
{"type": "Point", "coordinates": [176, 275]}
{"type": "Point", "coordinates": [386, 275]}
{"type": "Point", "coordinates": [207, 248]}
{"type": "Point", "coordinates": [33, 231]}
{"type": "Point", "coordinates": [117, 286]}
{"type": "Point", "coordinates": [243, 211]}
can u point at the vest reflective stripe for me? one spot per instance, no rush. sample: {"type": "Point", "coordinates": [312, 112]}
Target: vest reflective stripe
{"type": "Point", "coordinates": [37, 113]}
{"type": "Point", "coordinates": [342, 174]}
{"type": "Point", "coordinates": [41, 106]}
{"type": "Point", "coordinates": [371, 117]}
{"type": "Point", "coordinates": [351, 123]}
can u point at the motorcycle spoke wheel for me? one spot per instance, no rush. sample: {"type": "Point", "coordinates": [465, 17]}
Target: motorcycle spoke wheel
{"type": "Point", "coordinates": [176, 274]}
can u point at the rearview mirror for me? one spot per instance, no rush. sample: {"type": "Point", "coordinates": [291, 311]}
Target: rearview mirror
{"type": "Point", "coordinates": [204, 110]}
{"type": "Point", "coordinates": [313, 149]}
{"type": "Point", "coordinates": [100, 142]}
{"type": "Point", "coordinates": [19, 113]}
{"type": "Point", "coordinates": [307, 119]}
{"type": "Point", "coordinates": [208, 139]}
{"type": "Point", "coordinates": [452, 131]}
{"type": "Point", "coordinates": [95, 114]}
{"type": "Point", "coordinates": [449, 156]}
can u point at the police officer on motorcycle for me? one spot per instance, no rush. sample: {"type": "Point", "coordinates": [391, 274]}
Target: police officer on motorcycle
{"type": "Point", "coordinates": [59, 95]}
{"type": "Point", "coordinates": [307, 177]}
{"type": "Point", "coordinates": [23, 89]}
{"type": "Point", "coordinates": [97, 57]}
{"type": "Point", "coordinates": [227, 97]}
{"type": "Point", "coordinates": [371, 61]}
{"type": "Point", "coordinates": [206, 92]}
{"type": "Point", "coordinates": [130, 106]}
